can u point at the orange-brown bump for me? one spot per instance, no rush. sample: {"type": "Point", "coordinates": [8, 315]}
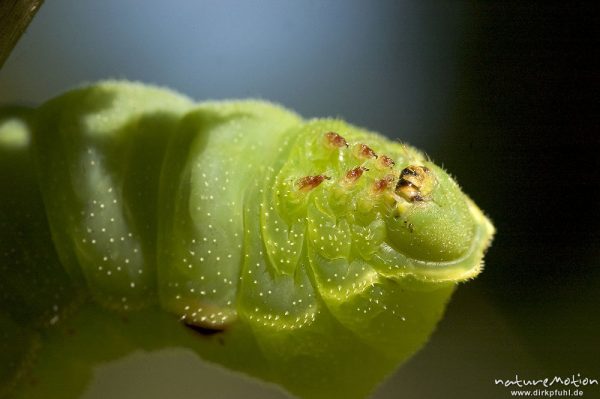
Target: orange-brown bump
{"type": "Point", "coordinates": [381, 185]}
{"type": "Point", "coordinates": [307, 183]}
{"type": "Point", "coordinates": [363, 151]}
{"type": "Point", "coordinates": [386, 162]}
{"type": "Point", "coordinates": [335, 140]}
{"type": "Point", "coordinates": [353, 174]}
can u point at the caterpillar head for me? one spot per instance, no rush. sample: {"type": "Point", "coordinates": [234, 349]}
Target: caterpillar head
{"type": "Point", "coordinates": [364, 197]}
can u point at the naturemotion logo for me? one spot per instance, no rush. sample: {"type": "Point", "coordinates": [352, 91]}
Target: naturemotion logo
{"type": "Point", "coordinates": [559, 385]}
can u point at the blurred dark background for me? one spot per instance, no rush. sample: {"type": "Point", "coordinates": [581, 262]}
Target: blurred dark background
{"type": "Point", "coordinates": [502, 94]}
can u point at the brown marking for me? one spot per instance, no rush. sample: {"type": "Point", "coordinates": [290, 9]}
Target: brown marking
{"type": "Point", "coordinates": [381, 185]}
{"type": "Point", "coordinates": [204, 329]}
{"type": "Point", "coordinates": [353, 174]}
{"type": "Point", "coordinates": [386, 161]}
{"type": "Point", "coordinates": [409, 193]}
{"type": "Point", "coordinates": [409, 171]}
{"type": "Point", "coordinates": [409, 226]}
{"type": "Point", "coordinates": [402, 183]}
{"type": "Point", "coordinates": [365, 152]}
{"type": "Point", "coordinates": [307, 183]}
{"type": "Point", "coordinates": [414, 183]}
{"type": "Point", "coordinates": [335, 140]}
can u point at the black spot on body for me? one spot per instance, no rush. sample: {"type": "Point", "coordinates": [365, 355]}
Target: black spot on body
{"type": "Point", "coordinates": [203, 330]}
{"type": "Point", "coordinates": [408, 171]}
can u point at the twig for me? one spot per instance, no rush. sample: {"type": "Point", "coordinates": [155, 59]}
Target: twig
{"type": "Point", "coordinates": [15, 16]}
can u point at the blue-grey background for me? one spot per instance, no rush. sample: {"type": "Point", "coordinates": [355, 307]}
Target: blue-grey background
{"type": "Point", "coordinates": [387, 65]}
{"type": "Point", "coordinates": [500, 93]}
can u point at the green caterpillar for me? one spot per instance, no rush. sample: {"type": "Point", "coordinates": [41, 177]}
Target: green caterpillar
{"type": "Point", "coordinates": [313, 254]}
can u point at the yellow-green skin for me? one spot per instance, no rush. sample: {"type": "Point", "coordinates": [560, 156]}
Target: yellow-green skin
{"type": "Point", "coordinates": [171, 223]}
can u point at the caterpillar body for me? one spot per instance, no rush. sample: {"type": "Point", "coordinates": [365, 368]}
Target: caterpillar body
{"type": "Point", "coordinates": [313, 254]}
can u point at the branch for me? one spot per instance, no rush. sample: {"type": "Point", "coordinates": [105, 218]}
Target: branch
{"type": "Point", "coordinates": [15, 16]}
